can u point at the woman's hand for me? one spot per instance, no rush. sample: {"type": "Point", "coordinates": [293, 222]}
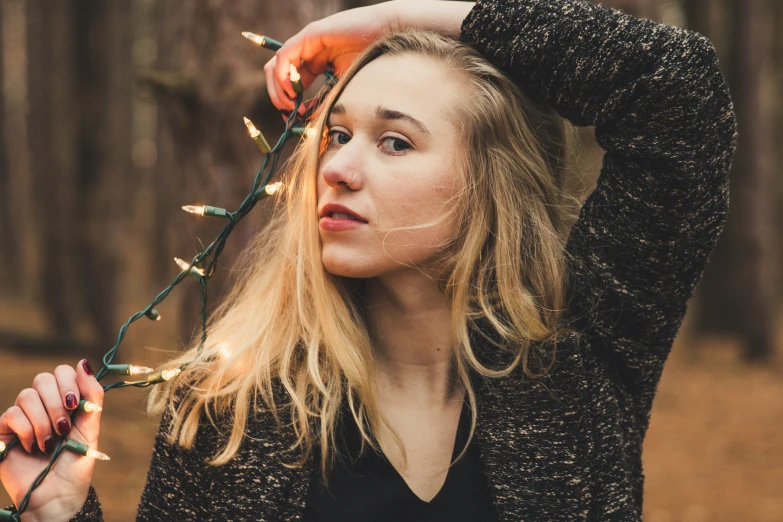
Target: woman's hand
{"type": "Point", "coordinates": [39, 416]}
{"type": "Point", "coordinates": [335, 41]}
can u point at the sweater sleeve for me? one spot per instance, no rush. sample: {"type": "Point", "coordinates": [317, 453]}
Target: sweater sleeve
{"type": "Point", "coordinates": [663, 114]}
{"type": "Point", "coordinates": [91, 510]}
{"type": "Point", "coordinates": [178, 480]}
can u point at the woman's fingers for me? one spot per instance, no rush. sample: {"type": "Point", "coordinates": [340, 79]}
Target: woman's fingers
{"type": "Point", "coordinates": [278, 98]}
{"type": "Point", "coordinates": [37, 417]}
{"type": "Point", "coordinates": [15, 424]}
{"type": "Point", "coordinates": [48, 389]}
{"type": "Point", "coordinates": [43, 411]}
{"type": "Point", "coordinates": [69, 390]}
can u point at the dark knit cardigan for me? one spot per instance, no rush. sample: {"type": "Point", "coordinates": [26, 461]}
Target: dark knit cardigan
{"type": "Point", "coordinates": [568, 447]}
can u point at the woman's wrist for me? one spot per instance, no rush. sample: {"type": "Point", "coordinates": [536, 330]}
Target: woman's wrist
{"type": "Point", "coordinates": [444, 17]}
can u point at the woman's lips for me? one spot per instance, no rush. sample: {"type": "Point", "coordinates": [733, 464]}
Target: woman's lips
{"type": "Point", "coordinates": [336, 225]}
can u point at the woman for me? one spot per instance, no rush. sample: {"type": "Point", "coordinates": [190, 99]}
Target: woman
{"type": "Point", "coordinates": [413, 303]}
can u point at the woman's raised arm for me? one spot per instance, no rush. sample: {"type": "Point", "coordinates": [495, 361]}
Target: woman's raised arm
{"type": "Point", "coordinates": [335, 41]}
{"type": "Point", "coordinates": [662, 112]}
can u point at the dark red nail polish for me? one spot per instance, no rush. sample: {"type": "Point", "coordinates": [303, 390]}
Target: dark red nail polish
{"type": "Point", "coordinates": [63, 427]}
{"type": "Point", "coordinates": [87, 367]}
{"type": "Point", "coordinates": [70, 400]}
{"type": "Point", "coordinates": [49, 445]}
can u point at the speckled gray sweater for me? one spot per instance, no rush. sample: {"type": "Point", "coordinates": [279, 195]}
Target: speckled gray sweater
{"type": "Point", "coordinates": [567, 447]}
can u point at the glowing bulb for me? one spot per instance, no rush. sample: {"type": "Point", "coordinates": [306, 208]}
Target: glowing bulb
{"type": "Point", "coordinates": [127, 369]}
{"type": "Point", "coordinates": [253, 37]}
{"type": "Point", "coordinates": [163, 376]}
{"type": "Point", "coordinates": [296, 80]}
{"type": "Point", "coordinates": [194, 209]}
{"type": "Point", "coordinates": [263, 41]}
{"type": "Point", "coordinates": [308, 132]}
{"type": "Point", "coordinates": [293, 73]}
{"type": "Point", "coordinates": [251, 128]}
{"type": "Point", "coordinates": [185, 266]}
{"type": "Point", "coordinates": [2, 446]}
{"type": "Point", "coordinates": [263, 145]}
{"type": "Point", "coordinates": [168, 374]}
{"type": "Point", "coordinates": [89, 407]}
{"type": "Point", "coordinates": [83, 449]}
{"type": "Point", "coordinates": [206, 210]}
{"type": "Point", "coordinates": [273, 188]}
{"type": "Point", "coordinates": [224, 351]}
{"type": "Point", "coordinates": [267, 190]}
{"type": "Point", "coordinates": [97, 455]}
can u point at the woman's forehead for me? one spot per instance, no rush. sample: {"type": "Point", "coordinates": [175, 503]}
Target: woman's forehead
{"type": "Point", "coordinates": [393, 87]}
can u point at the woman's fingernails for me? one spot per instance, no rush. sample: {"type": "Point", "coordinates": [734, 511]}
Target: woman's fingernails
{"type": "Point", "coordinates": [49, 445]}
{"type": "Point", "coordinates": [70, 400]}
{"type": "Point", "coordinates": [63, 427]}
{"type": "Point", "coordinates": [87, 367]}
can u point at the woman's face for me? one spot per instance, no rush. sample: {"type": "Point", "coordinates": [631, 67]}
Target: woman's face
{"type": "Point", "coordinates": [391, 161]}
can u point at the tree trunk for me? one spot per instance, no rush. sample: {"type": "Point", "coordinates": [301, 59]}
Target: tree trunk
{"type": "Point", "coordinates": [9, 239]}
{"type": "Point", "coordinates": [50, 132]}
{"type": "Point", "coordinates": [103, 95]}
{"type": "Point", "coordinates": [740, 281]}
{"type": "Point", "coordinates": [699, 15]}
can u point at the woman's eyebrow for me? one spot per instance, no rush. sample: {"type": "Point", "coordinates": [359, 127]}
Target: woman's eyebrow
{"type": "Point", "coordinates": [384, 113]}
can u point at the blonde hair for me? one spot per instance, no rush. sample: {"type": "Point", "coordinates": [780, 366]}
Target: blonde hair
{"type": "Point", "coordinates": [289, 323]}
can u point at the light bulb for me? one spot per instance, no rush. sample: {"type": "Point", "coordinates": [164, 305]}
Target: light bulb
{"type": "Point", "coordinates": [162, 376]}
{"type": "Point", "coordinates": [89, 407]}
{"type": "Point", "coordinates": [261, 142]}
{"type": "Point", "coordinates": [251, 128]}
{"type": "Point", "coordinates": [194, 209]}
{"type": "Point", "coordinates": [253, 37]}
{"type": "Point", "coordinates": [168, 374]}
{"type": "Point", "coordinates": [97, 455]}
{"type": "Point", "coordinates": [206, 210]}
{"type": "Point", "coordinates": [127, 369]}
{"type": "Point", "coordinates": [296, 80]}
{"type": "Point", "coordinates": [83, 449]}
{"type": "Point", "coordinates": [263, 41]}
{"type": "Point", "coordinates": [273, 188]}
{"type": "Point", "coordinates": [193, 270]}
{"type": "Point", "coordinates": [293, 73]}
{"type": "Point", "coordinates": [224, 350]}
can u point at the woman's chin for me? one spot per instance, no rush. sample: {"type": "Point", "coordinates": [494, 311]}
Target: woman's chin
{"type": "Point", "coordinates": [346, 268]}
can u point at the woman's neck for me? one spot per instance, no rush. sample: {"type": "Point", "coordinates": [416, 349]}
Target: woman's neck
{"type": "Point", "coordinates": [410, 323]}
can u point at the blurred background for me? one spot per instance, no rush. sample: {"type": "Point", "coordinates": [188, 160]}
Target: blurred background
{"type": "Point", "coordinates": [115, 113]}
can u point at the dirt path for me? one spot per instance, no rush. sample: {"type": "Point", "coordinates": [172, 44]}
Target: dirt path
{"type": "Point", "coordinates": [714, 452]}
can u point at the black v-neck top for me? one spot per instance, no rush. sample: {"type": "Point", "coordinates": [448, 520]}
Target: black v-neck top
{"type": "Point", "coordinates": [371, 489]}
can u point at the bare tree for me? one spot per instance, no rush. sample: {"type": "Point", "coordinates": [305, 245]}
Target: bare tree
{"type": "Point", "coordinates": [9, 243]}
{"type": "Point", "coordinates": [51, 131]}
{"type": "Point", "coordinates": [738, 293]}
{"type": "Point", "coordinates": [103, 90]}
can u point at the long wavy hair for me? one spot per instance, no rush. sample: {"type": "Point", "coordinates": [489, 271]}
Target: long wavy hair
{"type": "Point", "coordinates": [290, 325]}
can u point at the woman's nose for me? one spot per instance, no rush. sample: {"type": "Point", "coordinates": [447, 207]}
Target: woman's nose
{"type": "Point", "coordinates": [343, 167]}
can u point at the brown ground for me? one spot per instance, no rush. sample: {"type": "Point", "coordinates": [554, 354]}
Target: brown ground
{"type": "Point", "coordinates": [714, 451]}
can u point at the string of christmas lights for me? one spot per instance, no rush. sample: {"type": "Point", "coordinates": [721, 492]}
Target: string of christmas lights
{"type": "Point", "coordinates": [200, 268]}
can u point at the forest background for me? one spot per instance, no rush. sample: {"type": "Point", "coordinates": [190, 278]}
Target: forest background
{"type": "Point", "coordinates": [115, 113]}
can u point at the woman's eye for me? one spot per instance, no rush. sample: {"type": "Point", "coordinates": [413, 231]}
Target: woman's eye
{"type": "Point", "coordinates": [397, 144]}
{"type": "Point", "coordinates": [338, 137]}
